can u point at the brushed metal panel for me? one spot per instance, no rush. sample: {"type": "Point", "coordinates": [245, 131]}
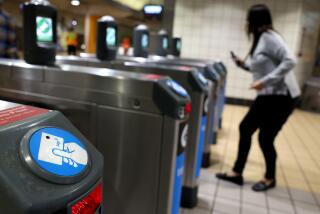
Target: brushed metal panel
{"type": "Point", "coordinates": [131, 145]}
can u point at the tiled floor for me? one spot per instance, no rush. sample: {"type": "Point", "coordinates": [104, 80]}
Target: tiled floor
{"type": "Point", "coordinates": [298, 170]}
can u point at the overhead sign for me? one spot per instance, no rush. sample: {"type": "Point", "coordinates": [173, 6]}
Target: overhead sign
{"type": "Point", "coordinates": [58, 152]}
{"type": "Point", "coordinates": [153, 11]}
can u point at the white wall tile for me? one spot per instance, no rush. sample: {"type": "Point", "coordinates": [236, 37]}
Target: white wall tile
{"type": "Point", "coordinates": [211, 28]}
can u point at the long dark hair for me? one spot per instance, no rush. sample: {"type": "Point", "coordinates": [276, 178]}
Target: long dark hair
{"type": "Point", "coordinates": [259, 21]}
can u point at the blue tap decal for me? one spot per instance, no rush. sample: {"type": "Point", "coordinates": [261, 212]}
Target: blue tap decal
{"type": "Point", "coordinates": [58, 152]}
{"type": "Point", "coordinates": [201, 144]}
{"type": "Point", "coordinates": [178, 181]}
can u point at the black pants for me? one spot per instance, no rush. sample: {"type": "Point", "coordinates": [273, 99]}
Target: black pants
{"type": "Point", "coordinates": [268, 114]}
{"type": "Point", "coordinates": [72, 50]}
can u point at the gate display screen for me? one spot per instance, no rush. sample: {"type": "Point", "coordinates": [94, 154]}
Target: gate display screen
{"type": "Point", "coordinates": [44, 29]}
{"type": "Point", "coordinates": [165, 43]}
{"type": "Point", "coordinates": [111, 37]}
{"type": "Point", "coordinates": [178, 45]}
{"type": "Point", "coordinates": [145, 41]}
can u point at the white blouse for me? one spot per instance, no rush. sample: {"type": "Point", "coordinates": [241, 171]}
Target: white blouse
{"type": "Point", "coordinates": [272, 63]}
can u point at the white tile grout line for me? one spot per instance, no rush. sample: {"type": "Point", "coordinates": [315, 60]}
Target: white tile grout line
{"type": "Point", "coordinates": [298, 164]}
{"type": "Point", "coordinates": [301, 168]}
{"type": "Point", "coordinates": [241, 200]}
{"type": "Point", "coordinates": [287, 186]}
{"type": "Point", "coordinates": [315, 117]}
{"type": "Point", "coordinates": [235, 112]}
{"type": "Point", "coordinates": [225, 151]}
{"type": "Point", "coordinates": [312, 157]}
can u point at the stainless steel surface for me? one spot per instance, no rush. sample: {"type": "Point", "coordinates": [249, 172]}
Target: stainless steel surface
{"type": "Point", "coordinates": [137, 193]}
{"type": "Point", "coordinates": [201, 65]}
{"type": "Point", "coordinates": [197, 99]}
{"type": "Point", "coordinates": [175, 63]}
{"type": "Point", "coordinates": [210, 121]}
{"type": "Point", "coordinates": [190, 179]}
{"type": "Point", "coordinates": [180, 74]}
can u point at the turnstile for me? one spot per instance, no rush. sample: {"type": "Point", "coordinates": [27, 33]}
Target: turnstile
{"type": "Point", "coordinates": [222, 69]}
{"type": "Point", "coordinates": [136, 121]}
{"type": "Point", "coordinates": [217, 66]}
{"type": "Point", "coordinates": [208, 123]}
{"type": "Point", "coordinates": [214, 104]}
{"type": "Point", "coordinates": [197, 87]}
{"type": "Point", "coordinates": [216, 97]}
{"type": "Point", "coordinates": [46, 164]}
{"type": "Point", "coordinates": [204, 67]}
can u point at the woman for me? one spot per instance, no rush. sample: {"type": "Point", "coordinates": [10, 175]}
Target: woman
{"type": "Point", "coordinates": [271, 64]}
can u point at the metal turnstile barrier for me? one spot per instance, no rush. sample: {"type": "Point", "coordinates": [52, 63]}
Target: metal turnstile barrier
{"type": "Point", "coordinates": [188, 78]}
{"type": "Point", "coordinates": [136, 121]}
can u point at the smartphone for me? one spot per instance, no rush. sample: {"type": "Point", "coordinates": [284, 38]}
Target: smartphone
{"type": "Point", "coordinates": [233, 55]}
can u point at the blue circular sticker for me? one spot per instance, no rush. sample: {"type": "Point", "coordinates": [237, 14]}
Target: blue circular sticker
{"type": "Point", "coordinates": [177, 88]}
{"type": "Point", "coordinates": [58, 152]}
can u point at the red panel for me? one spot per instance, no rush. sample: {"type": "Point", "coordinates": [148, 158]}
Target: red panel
{"type": "Point", "coordinates": [18, 113]}
{"type": "Point", "coordinates": [152, 76]}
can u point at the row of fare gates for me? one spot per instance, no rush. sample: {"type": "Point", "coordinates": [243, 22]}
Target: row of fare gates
{"type": "Point", "coordinates": [105, 134]}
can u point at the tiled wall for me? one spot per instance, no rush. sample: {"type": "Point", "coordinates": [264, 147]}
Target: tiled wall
{"type": "Point", "coordinates": [212, 28]}
{"type": "Point", "coordinates": [309, 35]}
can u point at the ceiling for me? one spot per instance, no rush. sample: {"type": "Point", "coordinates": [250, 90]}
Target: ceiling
{"type": "Point", "coordinates": [138, 4]}
{"type": "Point", "coordinates": [119, 9]}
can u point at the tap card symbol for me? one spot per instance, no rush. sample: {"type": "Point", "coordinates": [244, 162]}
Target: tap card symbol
{"type": "Point", "coordinates": [47, 144]}
{"type": "Point", "coordinates": [58, 151]}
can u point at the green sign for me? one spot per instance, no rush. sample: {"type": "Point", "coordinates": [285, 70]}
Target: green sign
{"type": "Point", "coordinates": [145, 40]}
{"type": "Point", "coordinates": [178, 45]}
{"type": "Point", "coordinates": [165, 43]}
{"type": "Point", "coordinates": [111, 37]}
{"type": "Point", "coordinates": [44, 29]}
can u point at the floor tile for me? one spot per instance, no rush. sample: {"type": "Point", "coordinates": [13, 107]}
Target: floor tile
{"type": "Point", "coordinates": [230, 192]}
{"type": "Point", "coordinates": [306, 208]}
{"type": "Point", "coordinates": [207, 176]}
{"type": "Point", "coordinates": [226, 206]}
{"type": "Point", "coordinates": [318, 197]}
{"type": "Point", "coordinates": [302, 196]}
{"type": "Point", "coordinates": [217, 212]}
{"type": "Point", "coordinates": [255, 198]}
{"type": "Point", "coordinates": [207, 189]}
{"type": "Point", "coordinates": [205, 201]}
{"type": "Point", "coordinates": [277, 212]}
{"type": "Point", "coordinates": [279, 192]}
{"type": "Point", "coordinates": [253, 209]}
{"type": "Point", "coordinates": [280, 204]}
{"type": "Point", "coordinates": [196, 210]}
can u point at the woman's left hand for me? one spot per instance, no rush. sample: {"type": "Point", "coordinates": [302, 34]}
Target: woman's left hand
{"type": "Point", "coordinates": [257, 85]}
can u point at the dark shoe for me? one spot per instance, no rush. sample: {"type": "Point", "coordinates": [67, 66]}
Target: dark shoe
{"type": "Point", "coordinates": [233, 179]}
{"type": "Point", "coordinates": [262, 186]}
